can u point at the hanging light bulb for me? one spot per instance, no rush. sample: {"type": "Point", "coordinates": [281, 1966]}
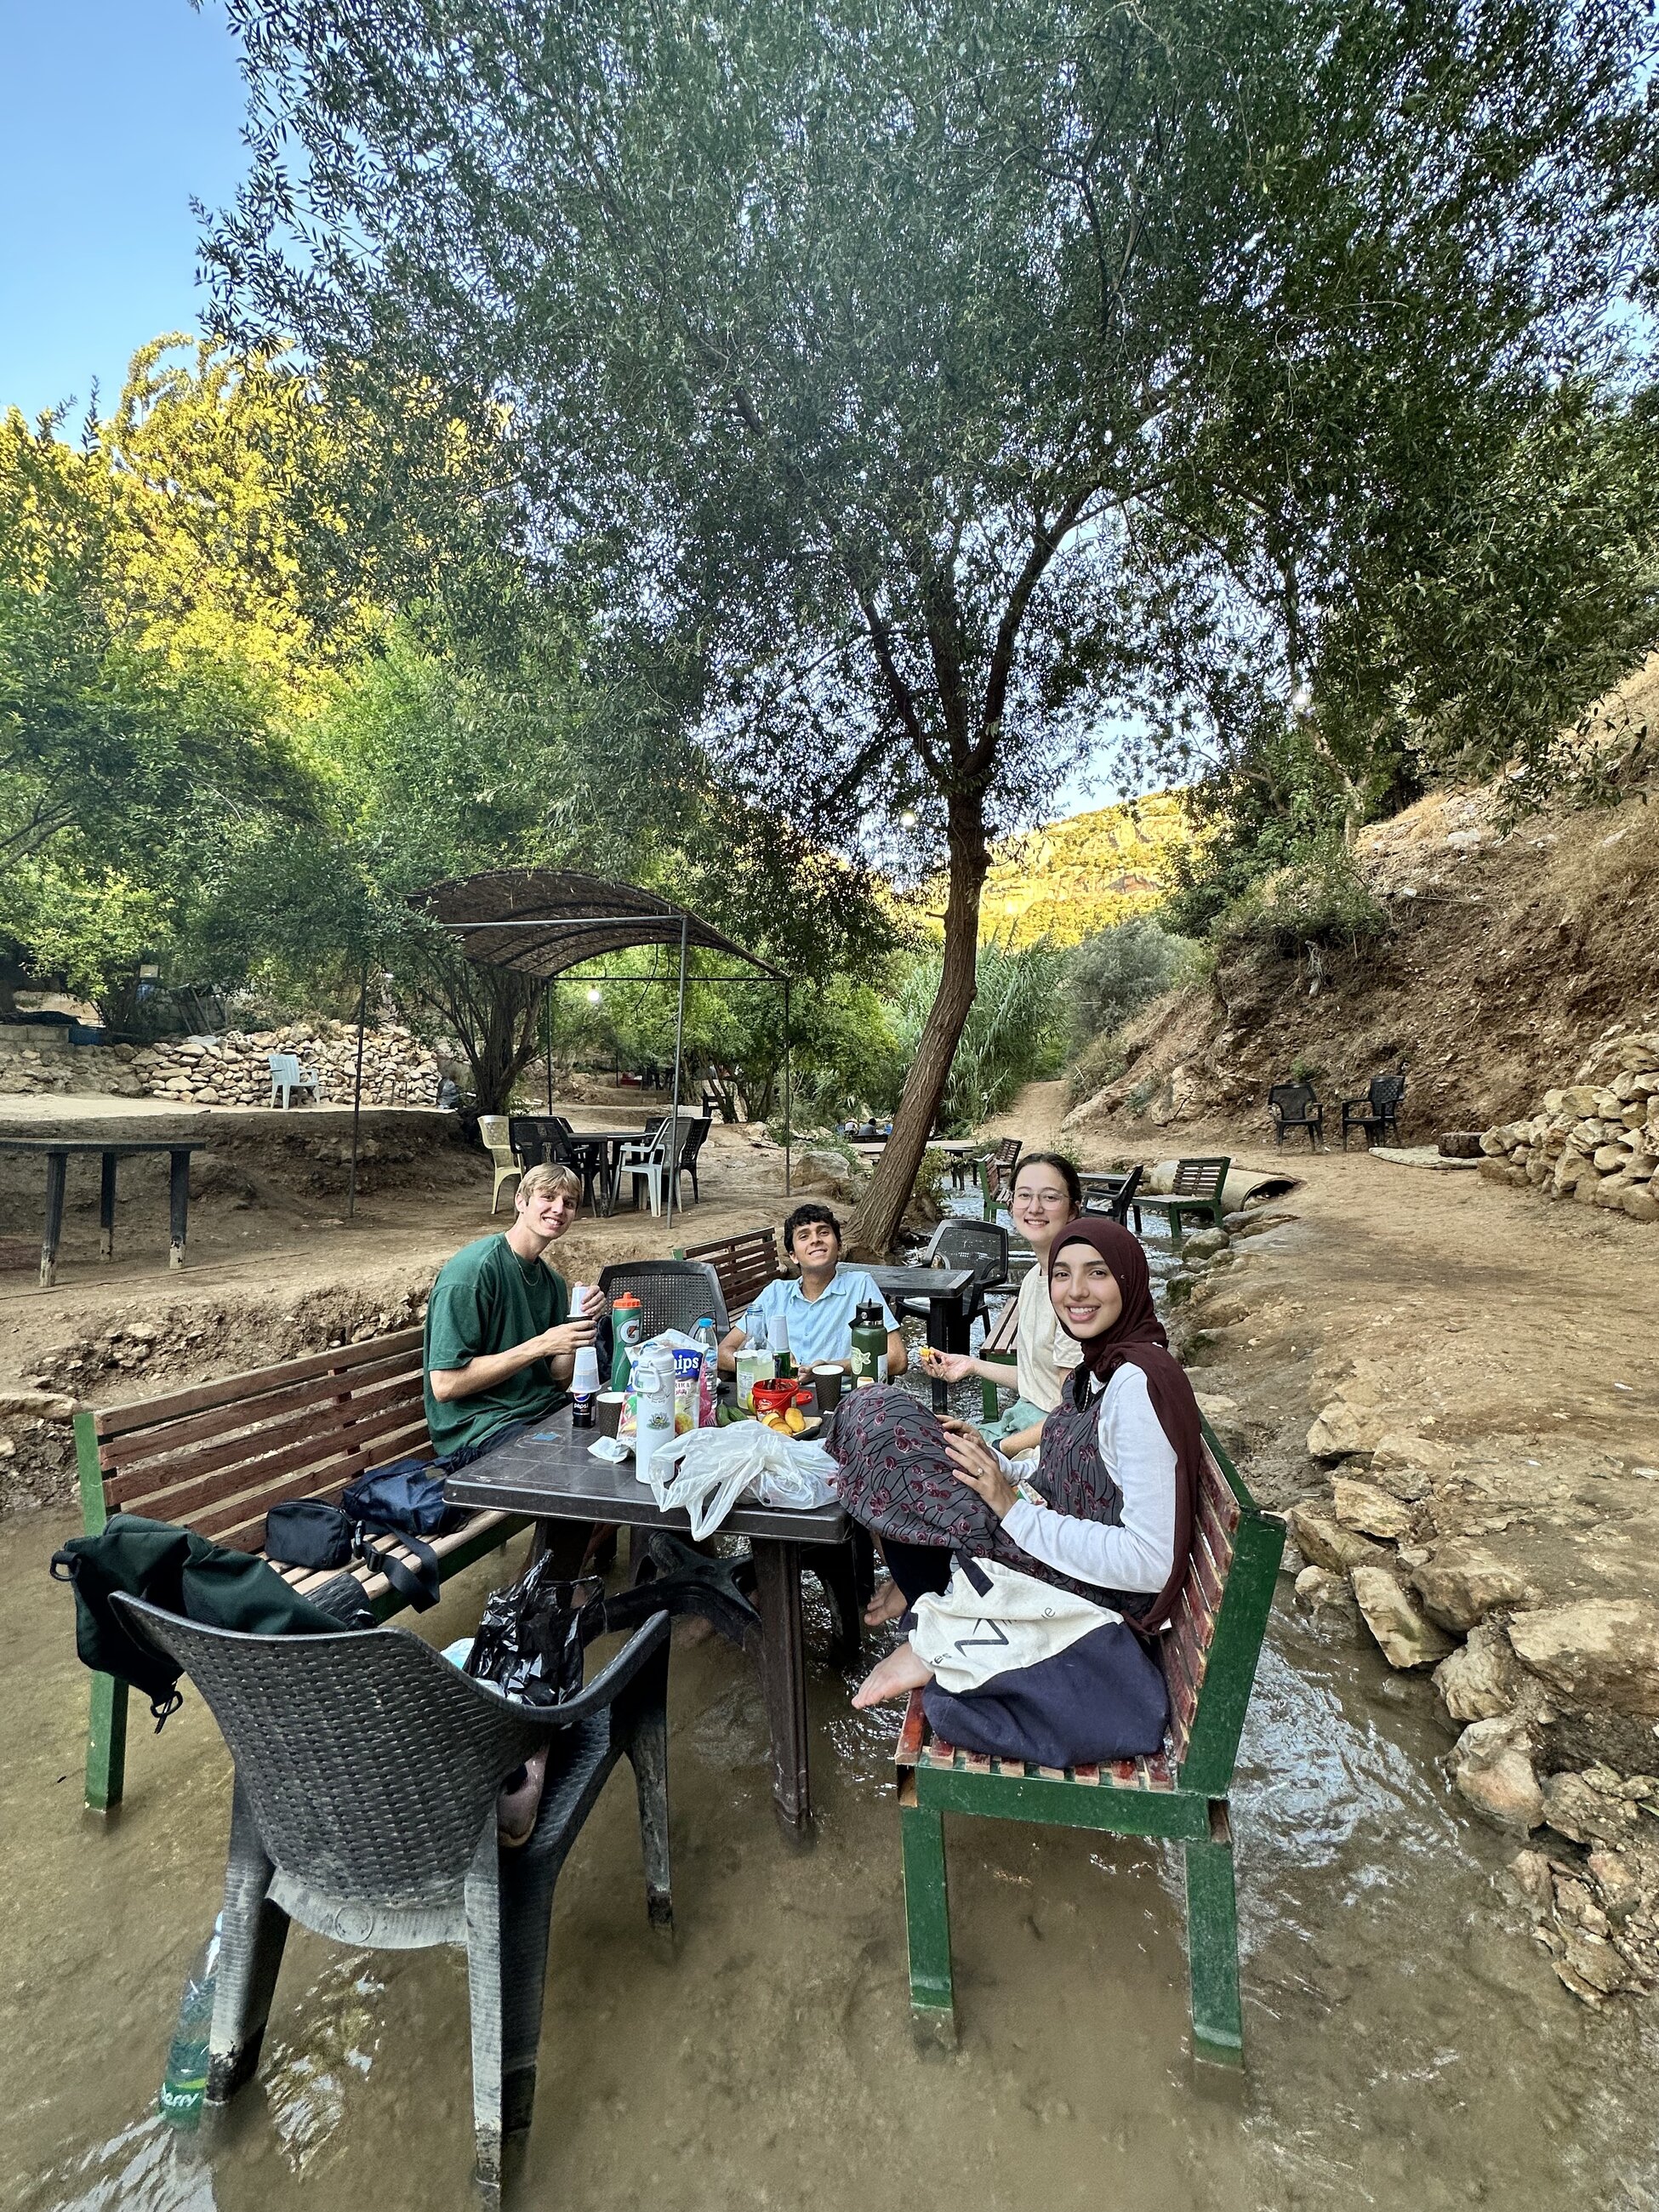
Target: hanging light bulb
{"type": "Point", "coordinates": [595, 994]}
{"type": "Point", "coordinates": [1301, 698]}
{"type": "Point", "coordinates": [907, 820]}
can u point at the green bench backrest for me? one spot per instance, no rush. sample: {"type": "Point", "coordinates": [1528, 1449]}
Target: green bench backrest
{"type": "Point", "coordinates": [1215, 1636]}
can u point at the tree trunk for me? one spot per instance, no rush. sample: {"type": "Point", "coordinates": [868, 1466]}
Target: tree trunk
{"type": "Point", "coordinates": [875, 1220]}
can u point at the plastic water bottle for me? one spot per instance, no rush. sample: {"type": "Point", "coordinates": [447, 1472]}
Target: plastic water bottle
{"type": "Point", "coordinates": [184, 2085]}
{"type": "Point", "coordinates": [707, 1337]}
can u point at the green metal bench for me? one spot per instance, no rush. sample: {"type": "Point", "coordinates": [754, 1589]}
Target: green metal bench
{"type": "Point", "coordinates": [1196, 1190]}
{"type": "Point", "coordinates": [216, 1458]}
{"type": "Point", "coordinates": [1209, 1654]}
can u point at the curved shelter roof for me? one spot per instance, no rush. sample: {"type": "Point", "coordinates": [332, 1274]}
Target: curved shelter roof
{"type": "Point", "coordinates": [544, 920]}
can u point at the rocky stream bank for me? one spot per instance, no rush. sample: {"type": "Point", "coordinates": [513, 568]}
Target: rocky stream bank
{"type": "Point", "coordinates": [1497, 1537]}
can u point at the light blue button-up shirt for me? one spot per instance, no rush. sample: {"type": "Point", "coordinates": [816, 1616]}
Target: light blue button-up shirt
{"type": "Point", "coordinates": [821, 1327]}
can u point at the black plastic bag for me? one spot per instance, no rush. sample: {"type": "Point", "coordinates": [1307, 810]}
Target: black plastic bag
{"type": "Point", "coordinates": [530, 1640]}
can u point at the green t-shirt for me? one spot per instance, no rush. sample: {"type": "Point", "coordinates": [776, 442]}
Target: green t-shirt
{"type": "Point", "coordinates": [488, 1299]}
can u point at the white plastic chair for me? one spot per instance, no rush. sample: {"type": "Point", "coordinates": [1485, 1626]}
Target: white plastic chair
{"type": "Point", "coordinates": [648, 1159]}
{"type": "Point", "coordinates": [288, 1076]}
{"type": "Point", "coordinates": [492, 1133]}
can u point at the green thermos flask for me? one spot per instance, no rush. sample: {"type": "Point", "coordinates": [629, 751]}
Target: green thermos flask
{"type": "Point", "coordinates": [869, 1354]}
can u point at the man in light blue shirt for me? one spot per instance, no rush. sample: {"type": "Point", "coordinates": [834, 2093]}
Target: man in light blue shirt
{"type": "Point", "coordinates": [820, 1305]}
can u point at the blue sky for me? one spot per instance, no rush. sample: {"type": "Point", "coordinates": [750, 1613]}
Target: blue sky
{"type": "Point", "coordinates": [113, 114]}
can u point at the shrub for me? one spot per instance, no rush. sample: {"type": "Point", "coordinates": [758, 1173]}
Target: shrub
{"type": "Point", "coordinates": [1119, 970]}
{"type": "Point", "coordinates": [1318, 897]}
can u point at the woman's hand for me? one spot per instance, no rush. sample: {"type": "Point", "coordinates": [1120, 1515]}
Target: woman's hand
{"type": "Point", "coordinates": [976, 1464]}
{"type": "Point", "coordinates": [947, 1366]}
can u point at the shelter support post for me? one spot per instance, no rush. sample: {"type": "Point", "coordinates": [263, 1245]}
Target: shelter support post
{"type": "Point", "coordinates": [674, 1116]}
{"type": "Point", "coordinates": [788, 1125]}
{"type": "Point", "coordinates": [357, 1098]}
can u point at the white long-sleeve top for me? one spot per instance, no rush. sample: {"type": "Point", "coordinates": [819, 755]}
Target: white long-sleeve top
{"type": "Point", "coordinates": [1140, 1459]}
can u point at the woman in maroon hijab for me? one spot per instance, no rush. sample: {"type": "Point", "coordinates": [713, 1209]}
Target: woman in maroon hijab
{"type": "Point", "coordinates": [1110, 1510]}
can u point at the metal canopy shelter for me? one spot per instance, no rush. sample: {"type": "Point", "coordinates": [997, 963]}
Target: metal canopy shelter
{"type": "Point", "coordinates": [544, 921]}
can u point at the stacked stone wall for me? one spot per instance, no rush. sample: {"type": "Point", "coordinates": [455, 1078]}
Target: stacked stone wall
{"type": "Point", "coordinates": [1594, 1140]}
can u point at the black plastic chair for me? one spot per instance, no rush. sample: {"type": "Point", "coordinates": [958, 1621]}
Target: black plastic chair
{"type": "Point", "coordinates": [1112, 1195]}
{"type": "Point", "coordinates": [692, 1145]}
{"type": "Point", "coordinates": [1377, 1112]}
{"type": "Point", "coordinates": [364, 1807]}
{"type": "Point", "coordinates": [1294, 1106]}
{"type": "Point", "coordinates": [672, 1293]}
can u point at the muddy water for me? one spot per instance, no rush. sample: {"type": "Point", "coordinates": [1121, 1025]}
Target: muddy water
{"type": "Point", "coordinates": [1407, 2047]}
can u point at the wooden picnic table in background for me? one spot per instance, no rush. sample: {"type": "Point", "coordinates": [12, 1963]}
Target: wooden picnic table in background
{"type": "Point", "coordinates": [110, 1151]}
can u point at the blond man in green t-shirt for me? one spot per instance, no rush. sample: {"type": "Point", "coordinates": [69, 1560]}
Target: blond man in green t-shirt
{"type": "Point", "coordinates": [501, 1339]}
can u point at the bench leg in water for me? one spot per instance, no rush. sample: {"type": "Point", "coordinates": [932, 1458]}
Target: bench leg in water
{"type": "Point", "coordinates": [1213, 1945]}
{"type": "Point", "coordinates": [106, 1744]}
{"type": "Point", "coordinates": [927, 1920]}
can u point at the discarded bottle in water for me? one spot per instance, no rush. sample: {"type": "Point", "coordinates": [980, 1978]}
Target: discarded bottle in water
{"type": "Point", "coordinates": [184, 2086]}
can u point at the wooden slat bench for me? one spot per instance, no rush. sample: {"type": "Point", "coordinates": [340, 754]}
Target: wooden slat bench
{"type": "Point", "coordinates": [215, 1459]}
{"type": "Point", "coordinates": [1196, 1190]}
{"type": "Point", "coordinates": [744, 1264]}
{"type": "Point", "coordinates": [1209, 1653]}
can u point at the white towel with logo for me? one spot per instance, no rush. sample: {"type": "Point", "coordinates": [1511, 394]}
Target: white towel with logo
{"type": "Point", "coordinates": [969, 1635]}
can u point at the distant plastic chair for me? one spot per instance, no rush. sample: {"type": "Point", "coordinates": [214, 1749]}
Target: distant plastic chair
{"type": "Point", "coordinates": [288, 1076]}
{"type": "Point", "coordinates": [1295, 1106]}
{"type": "Point", "coordinates": [647, 1161]}
{"type": "Point", "coordinates": [693, 1136]}
{"type": "Point", "coordinates": [1377, 1112]}
{"type": "Point", "coordinates": [493, 1134]}
{"type": "Point", "coordinates": [367, 1773]}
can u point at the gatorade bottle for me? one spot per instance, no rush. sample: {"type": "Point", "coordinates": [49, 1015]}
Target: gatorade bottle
{"type": "Point", "coordinates": [627, 1319]}
{"type": "Point", "coordinates": [184, 2085]}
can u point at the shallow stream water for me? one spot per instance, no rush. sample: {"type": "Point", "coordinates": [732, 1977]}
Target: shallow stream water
{"type": "Point", "coordinates": [1407, 2048]}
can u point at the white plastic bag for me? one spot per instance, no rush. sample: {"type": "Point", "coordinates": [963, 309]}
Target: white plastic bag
{"type": "Point", "coordinates": [707, 1471]}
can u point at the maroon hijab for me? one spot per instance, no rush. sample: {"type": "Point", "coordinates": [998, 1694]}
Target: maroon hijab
{"type": "Point", "coordinates": [1136, 1339]}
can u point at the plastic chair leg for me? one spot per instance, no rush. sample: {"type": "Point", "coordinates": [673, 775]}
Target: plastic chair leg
{"type": "Point", "coordinates": [927, 1918]}
{"type": "Point", "coordinates": [647, 1753]}
{"type": "Point", "coordinates": [106, 1744]}
{"type": "Point", "coordinates": [1213, 1945]}
{"type": "Point", "coordinates": [253, 1932]}
{"type": "Point", "coordinates": [483, 1978]}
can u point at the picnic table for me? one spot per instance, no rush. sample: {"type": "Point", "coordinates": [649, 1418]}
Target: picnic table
{"type": "Point", "coordinates": [110, 1150]}
{"type": "Point", "coordinates": [947, 1293]}
{"type": "Point", "coordinates": [550, 1474]}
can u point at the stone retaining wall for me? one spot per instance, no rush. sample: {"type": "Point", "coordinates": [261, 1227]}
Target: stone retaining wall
{"type": "Point", "coordinates": [399, 1070]}
{"type": "Point", "coordinates": [1595, 1138]}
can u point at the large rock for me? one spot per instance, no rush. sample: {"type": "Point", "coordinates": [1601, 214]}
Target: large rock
{"type": "Point", "coordinates": [1490, 1769]}
{"type": "Point", "coordinates": [1640, 1202]}
{"type": "Point", "coordinates": [1404, 1638]}
{"type": "Point", "coordinates": [1480, 1682]}
{"type": "Point", "coordinates": [1372, 1511]}
{"type": "Point", "coordinates": [1324, 1543]}
{"type": "Point", "coordinates": [1461, 1584]}
{"type": "Point", "coordinates": [818, 1169]}
{"type": "Point", "coordinates": [1341, 1430]}
{"type": "Point", "coordinates": [1602, 1651]}
{"type": "Point", "coordinates": [1590, 1814]}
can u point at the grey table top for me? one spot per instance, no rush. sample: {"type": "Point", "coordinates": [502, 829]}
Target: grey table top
{"type": "Point", "coordinates": [549, 1472]}
{"type": "Point", "coordinates": [940, 1283]}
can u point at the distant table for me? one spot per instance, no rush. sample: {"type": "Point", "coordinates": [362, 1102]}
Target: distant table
{"type": "Point", "coordinates": [58, 1150]}
{"type": "Point", "coordinates": [947, 1294]}
{"type": "Point", "coordinates": [609, 1143]}
{"type": "Point", "coordinates": [550, 1474]}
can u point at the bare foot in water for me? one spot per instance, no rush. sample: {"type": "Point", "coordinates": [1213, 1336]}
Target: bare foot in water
{"type": "Point", "coordinates": [886, 1605]}
{"type": "Point", "coordinates": [899, 1673]}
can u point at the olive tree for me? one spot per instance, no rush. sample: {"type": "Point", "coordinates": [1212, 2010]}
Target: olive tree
{"type": "Point", "coordinates": [855, 346]}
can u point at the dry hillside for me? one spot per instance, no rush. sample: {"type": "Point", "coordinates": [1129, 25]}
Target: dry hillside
{"type": "Point", "coordinates": [1070, 878]}
{"type": "Point", "coordinates": [1509, 950]}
